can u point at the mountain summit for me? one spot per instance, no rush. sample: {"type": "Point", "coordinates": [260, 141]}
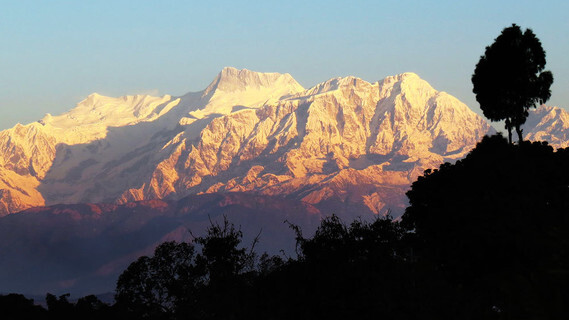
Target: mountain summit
{"type": "Point", "coordinates": [233, 80]}
{"type": "Point", "coordinates": [343, 145]}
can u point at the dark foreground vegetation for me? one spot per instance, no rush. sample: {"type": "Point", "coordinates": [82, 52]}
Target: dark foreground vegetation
{"type": "Point", "coordinates": [485, 238]}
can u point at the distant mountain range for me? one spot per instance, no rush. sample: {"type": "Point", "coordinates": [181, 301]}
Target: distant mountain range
{"type": "Point", "coordinates": [120, 175]}
{"type": "Point", "coordinates": [343, 144]}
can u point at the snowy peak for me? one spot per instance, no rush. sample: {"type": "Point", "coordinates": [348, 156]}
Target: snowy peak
{"type": "Point", "coordinates": [233, 80]}
{"type": "Point", "coordinates": [406, 76]}
{"type": "Point", "coordinates": [110, 111]}
{"type": "Point", "coordinates": [548, 124]}
{"type": "Point", "coordinates": [401, 114]}
{"type": "Point", "coordinates": [235, 89]}
{"type": "Point", "coordinates": [92, 117]}
{"type": "Point", "coordinates": [408, 84]}
{"type": "Point", "coordinates": [336, 85]}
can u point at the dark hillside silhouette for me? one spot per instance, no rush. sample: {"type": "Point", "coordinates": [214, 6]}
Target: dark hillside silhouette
{"type": "Point", "coordinates": [16, 306]}
{"type": "Point", "coordinates": [497, 225]}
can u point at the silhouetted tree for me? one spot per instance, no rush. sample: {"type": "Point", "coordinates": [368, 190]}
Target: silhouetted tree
{"type": "Point", "coordinates": [221, 254]}
{"type": "Point", "coordinates": [152, 287]}
{"type": "Point", "coordinates": [500, 237]}
{"type": "Point", "coordinates": [59, 308]}
{"type": "Point", "coordinates": [229, 271]}
{"type": "Point", "coordinates": [91, 307]}
{"type": "Point", "coordinates": [509, 78]}
{"type": "Point", "coordinates": [178, 283]}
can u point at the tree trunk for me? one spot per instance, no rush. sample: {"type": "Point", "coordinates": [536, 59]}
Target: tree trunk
{"type": "Point", "coordinates": [519, 131]}
{"type": "Point", "coordinates": [509, 127]}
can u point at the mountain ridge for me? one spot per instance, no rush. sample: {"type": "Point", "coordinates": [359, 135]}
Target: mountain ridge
{"type": "Point", "coordinates": [247, 131]}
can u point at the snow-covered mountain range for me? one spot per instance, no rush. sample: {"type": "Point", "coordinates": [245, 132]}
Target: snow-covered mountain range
{"type": "Point", "coordinates": [345, 143]}
{"type": "Point", "coordinates": [117, 176]}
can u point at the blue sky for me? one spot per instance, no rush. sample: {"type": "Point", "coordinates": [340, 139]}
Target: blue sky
{"type": "Point", "coordinates": [54, 53]}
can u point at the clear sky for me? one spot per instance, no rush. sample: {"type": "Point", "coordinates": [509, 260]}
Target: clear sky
{"type": "Point", "coordinates": [54, 53]}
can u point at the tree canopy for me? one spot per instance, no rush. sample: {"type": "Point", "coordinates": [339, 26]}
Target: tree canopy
{"type": "Point", "coordinates": [509, 78]}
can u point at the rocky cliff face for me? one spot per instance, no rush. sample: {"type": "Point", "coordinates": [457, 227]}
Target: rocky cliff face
{"type": "Point", "coordinates": [344, 144]}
